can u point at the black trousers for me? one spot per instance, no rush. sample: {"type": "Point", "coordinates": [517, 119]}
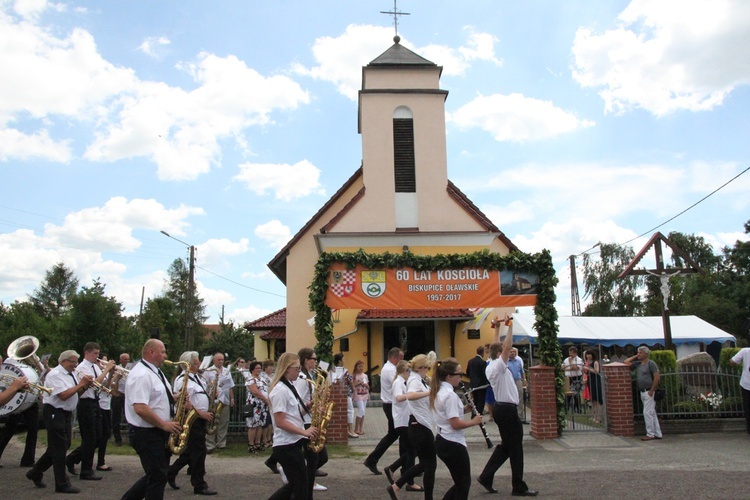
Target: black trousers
{"type": "Point", "coordinates": [455, 456]}
{"type": "Point", "coordinates": [194, 456]}
{"type": "Point", "coordinates": [59, 424]}
{"type": "Point", "coordinates": [387, 440]}
{"type": "Point", "coordinates": [90, 426]}
{"type": "Point", "coordinates": [423, 446]}
{"type": "Point", "coordinates": [118, 409]}
{"type": "Point", "coordinates": [511, 433]}
{"type": "Point", "coordinates": [101, 446]}
{"type": "Point", "coordinates": [405, 461]}
{"type": "Point", "coordinates": [746, 407]}
{"type": "Point", "coordinates": [151, 445]}
{"type": "Point", "coordinates": [292, 459]}
{"type": "Point", "coordinates": [479, 396]}
{"type": "Point", "coordinates": [30, 418]}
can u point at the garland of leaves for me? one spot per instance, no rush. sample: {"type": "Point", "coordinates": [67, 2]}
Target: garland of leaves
{"type": "Point", "coordinates": [539, 264]}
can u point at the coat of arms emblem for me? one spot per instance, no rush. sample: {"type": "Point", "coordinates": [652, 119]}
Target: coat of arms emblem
{"type": "Point", "coordinates": [342, 283]}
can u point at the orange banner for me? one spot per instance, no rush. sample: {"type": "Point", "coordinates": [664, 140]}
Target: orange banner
{"type": "Point", "coordinates": [406, 288]}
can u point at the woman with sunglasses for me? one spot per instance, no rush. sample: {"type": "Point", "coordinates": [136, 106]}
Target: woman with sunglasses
{"type": "Point", "coordinates": [290, 435]}
{"type": "Point", "coordinates": [450, 444]}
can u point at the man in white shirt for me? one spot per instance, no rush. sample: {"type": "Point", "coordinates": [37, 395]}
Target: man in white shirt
{"type": "Point", "coordinates": [387, 375]}
{"type": "Point", "coordinates": [505, 416]}
{"type": "Point", "coordinates": [149, 410]}
{"type": "Point", "coordinates": [58, 420]}
{"type": "Point", "coordinates": [118, 400]}
{"type": "Point", "coordinates": [225, 396]}
{"type": "Point", "coordinates": [573, 368]}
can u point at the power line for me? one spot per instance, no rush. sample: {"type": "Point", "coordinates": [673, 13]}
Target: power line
{"type": "Point", "coordinates": [240, 284]}
{"type": "Point", "coordinates": [674, 217]}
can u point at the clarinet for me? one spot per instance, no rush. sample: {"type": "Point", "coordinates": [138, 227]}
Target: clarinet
{"type": "Point", "coordinates": [474, 412]}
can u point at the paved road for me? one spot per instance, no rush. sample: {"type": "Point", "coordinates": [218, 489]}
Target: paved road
{"type": "Point", "coordinates": [579, 465]}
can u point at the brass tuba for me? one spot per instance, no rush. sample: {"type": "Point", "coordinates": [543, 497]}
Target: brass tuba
{"type": "Point", "coordinates": [322, 408]}
{"type": "Point", "coordinates": [23, 350]}
{"type": "Point", "coordinates": [183, 416]}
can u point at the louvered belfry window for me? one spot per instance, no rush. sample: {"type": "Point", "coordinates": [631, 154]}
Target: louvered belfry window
{"type": "Point", "coordinates": [403, 155]}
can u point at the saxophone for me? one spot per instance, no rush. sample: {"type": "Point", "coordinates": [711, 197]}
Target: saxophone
{"type": "Point", "coordinates": [183, 416]}
{"type": "Point", "coordinates": [322, 408]}
{"type": "Point", "coordinates": [214, 408]}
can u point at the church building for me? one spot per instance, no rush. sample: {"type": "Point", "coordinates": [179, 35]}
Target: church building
{"type": "Point", "coordinates": [399, 200]}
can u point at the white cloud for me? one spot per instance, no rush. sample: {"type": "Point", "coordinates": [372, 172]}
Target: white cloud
{"type": "Point", "coordinates": [340, 59]}
{"type": "Point", "coordinates": [17, 145]}
{"type": "Point", "coordinates": [668, 55]}
{"type": "Point", "coordinates": [244, 314]}
{"type": "Point", "coordinates": [152, 46]}
{"type": "Point", "coordinates": [512, 213]}
{"type": "Point", "coordinates": [288, 182]}
{"type": "Point", "coordinates": [212, 252]}
{"type": "Point", "coordinates": [274, 232]}
{"type": "Point", "coordinates": [516, 118]}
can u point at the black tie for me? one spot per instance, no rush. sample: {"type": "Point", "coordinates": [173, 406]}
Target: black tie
{"type": "Point", "coordinates": [73, 377]}
{"type": "Point", "coordinates": [96, 393]}
{"type": "Point", "coordinates": [169, 393]}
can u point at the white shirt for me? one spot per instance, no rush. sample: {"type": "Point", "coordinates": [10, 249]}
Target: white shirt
{"type": "Point", "coordinates": [59, 380]}
{"type": "Point", "coordinates": [573, 373]}
{"type": "Point", "coordinates": [304, 389]}
{"type": "Point", "coordinates": [387, 375]}
{"type": "Point", "coordinates": [196, 390]}
{"type": "Point", "coordinates": [144, 386]}
{"type": "Point", "coordinates": [121, 382]}
{"type": "Point", "coordinates": [400, 410]}
{"type": "Point", "coordinates": [420, 408]}
{"type": "Point", "coordinates": [105, 400]}
{"type": "Point", "coordinates": [743, 357]}
{"type": "Point", "coordinates": [447, 406]}
{"type": "Point", "coordinates": [283, 401]}
{"type": "Point", "coordinates": [87, 367]}
{"type": "Point", "coordinates": [226, 383]}
{"type": "Point", "coordinates": [501, 380]}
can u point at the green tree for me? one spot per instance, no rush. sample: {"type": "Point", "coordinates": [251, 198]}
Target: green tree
{"type": "Point", "coordinates": [160, 317]}
{"type": "Point", "coordinates": [54, 295]}
{"type": "Point", "coordinates": [93, 317]}
{"type": "Point", "coordinates": [23, 318]}
{"type": "Point", "coordinates": [188, 304]}
{"type": "Point", "coordinates": [233, 340]}
{"type": "Point", "coordinates": [610, 295]}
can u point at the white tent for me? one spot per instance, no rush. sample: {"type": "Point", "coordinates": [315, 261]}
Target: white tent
{"type": "Point", "coordinates": [612, 331]}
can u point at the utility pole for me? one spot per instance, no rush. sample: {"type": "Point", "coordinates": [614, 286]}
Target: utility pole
{"type": "Point", "coordinates": [190, 303]}
{"type": "Point", "coordinates": [575, 301]}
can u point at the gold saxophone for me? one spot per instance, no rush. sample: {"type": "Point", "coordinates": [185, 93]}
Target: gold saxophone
{"type": "Point", "coordinates": [214, 407]}
{"type": "Point", "coordinates": [183, 416]}
{"type": "Point", "coordinates": [322, 408]}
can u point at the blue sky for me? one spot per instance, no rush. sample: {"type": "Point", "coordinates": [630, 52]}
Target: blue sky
{"type": "Point", "coordinates": [228, 124]}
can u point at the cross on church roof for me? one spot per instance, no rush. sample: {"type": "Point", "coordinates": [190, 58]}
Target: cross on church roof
{"type": "Point", "coordinates": [395, 13]}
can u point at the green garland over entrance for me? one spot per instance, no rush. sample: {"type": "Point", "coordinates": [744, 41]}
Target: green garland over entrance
{"type": "Point", "coordinates": [539, 264]}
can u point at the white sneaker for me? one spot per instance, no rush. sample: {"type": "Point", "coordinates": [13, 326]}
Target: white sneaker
{"type": "Point", "coordinates": [283, 476]}
{"type": "Point", "coordinates": [319, 487]}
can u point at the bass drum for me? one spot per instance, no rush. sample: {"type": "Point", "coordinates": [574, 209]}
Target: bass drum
{"type": "Point", "coordinates": [22, 400]}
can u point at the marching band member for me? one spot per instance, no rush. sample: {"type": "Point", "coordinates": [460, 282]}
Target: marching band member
{"type": "Point", "coordinates": [450, 443]}
{"type": "Point", "coordinates": [195, 452]}
{"type": "Point", "coordinates": [58, 419]}
{"type": "Point", "coordinates": [225, 395]}
{"type": "Point", "coordinates": [308, 362]}
{"type": "Point", "coordinates": [105, 408]}
{"type": "Point", "coordinates": [89, 415]}
{"type": "Point", "coordinates": [118, 399]}
{"type": "Point", "coordinates": [18, 385]}
{"type": "Point", "coordinates": [506, 416]}
{"type": "Point", "coordinates": [290, 435]}
{"type": "Point", "coordinates": [149, 410]}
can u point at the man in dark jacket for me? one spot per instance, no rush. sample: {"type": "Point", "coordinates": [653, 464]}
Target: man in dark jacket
{"type": "Point", "coordinates": [475, 370]}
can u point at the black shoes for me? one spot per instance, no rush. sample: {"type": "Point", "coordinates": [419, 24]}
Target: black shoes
{"type": "Point", "coordinates": [36, 479]}
{"type": "Point", "coordinates": [67, 489]}
{"type": "Point", "coordinates": [71, 468]}
{"type": "Point", "coordinates": [389, 475]}
{"type": "Point", "coordinates": [373, 468]}
{"type": "Point", "coordinates": [320, 473]}
{"type": "Point", "coordinates": [527, 493]}
{"type": "Point", "coordinates": [272, 466]}
{"type": "Point", "coordinates": [487, 485]}
{"type": "Point", "coordinates": [89, 477]}
{"type": "Point", "coordinates": [204, 491]}
{"type": "Point", "coordinates": [172, 484]}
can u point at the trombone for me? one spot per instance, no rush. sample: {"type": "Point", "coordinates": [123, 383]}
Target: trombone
{"type": "Point", "coordinates": [35, 389]}
{"type": "Point", "coordinates": [119, 370]}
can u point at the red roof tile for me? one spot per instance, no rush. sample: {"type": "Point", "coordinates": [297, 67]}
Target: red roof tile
{"type": "Point", "coordinates": [380, 314]}
{"type": "Point", "coordinates": [273, 334]}
{"type": "Point", "coordinates": [276, 319]}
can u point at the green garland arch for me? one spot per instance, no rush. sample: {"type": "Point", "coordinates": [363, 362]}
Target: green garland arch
{"type": "Point", "coordinates": [538, 263]}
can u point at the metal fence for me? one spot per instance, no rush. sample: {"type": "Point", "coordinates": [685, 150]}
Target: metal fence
{"type": "Point", "coordinates": [697, 392]}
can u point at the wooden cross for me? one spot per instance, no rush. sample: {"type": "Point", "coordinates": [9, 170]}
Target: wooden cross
{"type": "Point", "coordinates": [395, 13]}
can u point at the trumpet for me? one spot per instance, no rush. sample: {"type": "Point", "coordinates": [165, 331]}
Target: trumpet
{"type": "Point", "coordinates": [98, 386]}
{"type": "Point", "coordinates": [119, 370]}
{"type": "Point", "coordinates": [31, 388]}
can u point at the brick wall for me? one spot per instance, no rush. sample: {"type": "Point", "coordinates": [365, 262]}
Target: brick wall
{"type": "Point", "coordinates": [543, 402]}
{"type": "Point", "coordinates": [337, 429]}
{"type": "Point", "coordinates": [619, 393]}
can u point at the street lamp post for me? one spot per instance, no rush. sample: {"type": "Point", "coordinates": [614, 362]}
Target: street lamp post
{"type": "Point", "coordinates": [191, 293]}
